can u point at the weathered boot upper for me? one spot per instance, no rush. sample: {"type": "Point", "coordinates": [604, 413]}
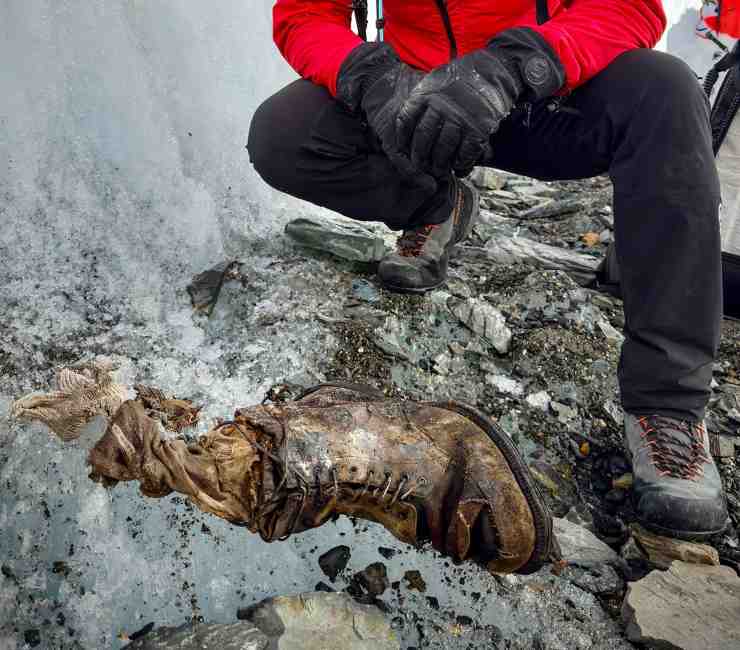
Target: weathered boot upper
{"type": "Point", "coordinates": [441, 473]}
{"type": "Point", "coordinates": [678, 489]}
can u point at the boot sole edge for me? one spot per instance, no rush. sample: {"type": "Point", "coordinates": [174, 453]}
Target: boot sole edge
{"type": "Point", "coordinates": [545, 543]}
{"type": "Point", "coordinates": [685, 535]}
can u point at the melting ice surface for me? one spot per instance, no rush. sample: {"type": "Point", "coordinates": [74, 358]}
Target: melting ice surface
{"type": "Point", "coordinates": [123, 171]}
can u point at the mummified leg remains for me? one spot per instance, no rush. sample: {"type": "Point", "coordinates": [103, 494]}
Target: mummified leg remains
{"type": "Point", "coordinates": [427, 472]}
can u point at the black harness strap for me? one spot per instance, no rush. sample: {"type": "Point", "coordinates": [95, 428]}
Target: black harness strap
{"type": "Point", "coordinates": [543, 12]}
{"type": "Point", "coordinates": [360, 9]}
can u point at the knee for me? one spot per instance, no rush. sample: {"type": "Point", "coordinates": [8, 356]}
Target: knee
{"type": "Point", "coordinates": [660, 85]}
{"type": "Point", "coordinates": [259, 145]}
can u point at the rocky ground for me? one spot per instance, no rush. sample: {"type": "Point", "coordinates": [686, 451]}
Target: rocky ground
{"type": "Point", "coordinates": [520, 330]}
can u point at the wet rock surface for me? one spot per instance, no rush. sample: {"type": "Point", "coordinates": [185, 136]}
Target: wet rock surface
{"type": "Point", "coordinates": [205, 636]}
{"type": "Point", "coordinates": [539, 354]}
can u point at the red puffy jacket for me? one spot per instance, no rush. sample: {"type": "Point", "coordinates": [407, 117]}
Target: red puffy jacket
{"type": "Point", "coordinates": [315, 36]}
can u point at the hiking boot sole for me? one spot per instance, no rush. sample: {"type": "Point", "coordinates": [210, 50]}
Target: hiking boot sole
{"type": "Point", "coordinates": [412, 290]}
{"type": "Point", "coordinates": [686, 535]}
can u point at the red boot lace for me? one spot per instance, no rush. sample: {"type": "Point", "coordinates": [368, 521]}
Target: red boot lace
{"type": "Point", "coordinates": [411, 243]}
{"type": "Point", "coordinates": [677, 456]}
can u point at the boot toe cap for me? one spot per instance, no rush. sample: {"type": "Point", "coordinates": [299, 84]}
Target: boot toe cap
{"type": "Point", "coordinates": [395, 272]}
{"type": "Point", "coordinates": [682, 512]}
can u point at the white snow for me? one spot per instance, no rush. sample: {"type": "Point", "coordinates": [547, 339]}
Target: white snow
{"type": "Point", "coordinates": [681, 40]}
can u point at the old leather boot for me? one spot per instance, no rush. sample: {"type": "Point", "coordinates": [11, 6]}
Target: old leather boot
{"type": "Point", "coordinates": [427, 472]}
{"type": "Point", "coordinates": [419, 263]}
{"type": "Point", "coordinates": [677, 490]}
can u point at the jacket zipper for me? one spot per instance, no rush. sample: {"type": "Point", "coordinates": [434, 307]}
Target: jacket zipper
{"type": "Point", "coordinates": [442, 7]}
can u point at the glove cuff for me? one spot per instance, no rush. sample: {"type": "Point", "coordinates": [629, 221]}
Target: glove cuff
{"type": "Point", "coordinates": [528, 55]}
{"type": "Point", "coordinates": [363, 66]}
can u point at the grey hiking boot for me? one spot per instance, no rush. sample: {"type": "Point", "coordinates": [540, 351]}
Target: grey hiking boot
{"type": "Point", "coordinates": [419, 263]}
{"type": "Point", "coordinates": [677, 487]}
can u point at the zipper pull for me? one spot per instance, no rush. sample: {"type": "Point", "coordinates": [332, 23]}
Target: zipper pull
{"type": "Point", "coordinates": [527, 115]}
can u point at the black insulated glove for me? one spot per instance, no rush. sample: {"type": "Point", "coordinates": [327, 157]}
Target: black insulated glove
{"type": "Point", "coordinates": [448, 120]}
{"type": "Point", "coordinates": [373, 80]}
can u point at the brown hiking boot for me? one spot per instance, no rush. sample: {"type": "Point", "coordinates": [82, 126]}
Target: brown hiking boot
{"type": "Point", "coordinates": [419, 263]}
{"type": "Point", "coordinates": [427, 472]}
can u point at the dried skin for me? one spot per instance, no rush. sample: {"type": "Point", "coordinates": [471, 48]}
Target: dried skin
{"type": "Point", "coordinates": [84, 391]}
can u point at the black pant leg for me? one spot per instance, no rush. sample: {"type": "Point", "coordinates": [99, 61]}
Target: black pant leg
{"type": "Point", "coordinates": [645, 121]}
{"type": "Point", "coordinates": [305, 144]}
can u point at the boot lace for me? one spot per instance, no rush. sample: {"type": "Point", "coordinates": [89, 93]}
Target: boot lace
{"type": "Point", "coordinates": [676, 448]}
{"type": "Point", "coordinates": [305, 486]}
{"type": "Point", "coordinates": [411, 243]}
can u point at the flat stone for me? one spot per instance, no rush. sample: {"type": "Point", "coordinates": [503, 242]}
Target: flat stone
{"type": "Point", "coordinates": [204, 636]}
{"type": "Point", "coordinates": [364, 290]}
{"type": "Point", "coordinates": [505, 385]}
{"type": "Point", "coordinates": [317, 621]}
{"type": "Point", "coordinates": [580, 546]}
{"type": "Point", "coordinates": [485, 320]}
{"type": "Point", "coordinates": [373, 579]}
{"type": "Point", "coordinates": [661, 551]}
{"type": "Point", "coordinates": [598, 580]}
{"type": "Point", "coordinates": [539, 400]}
{"type": "Point", "coordinates": [510, 250]}
{"type": "Point", "coordinates": [349, 240]}
{"type": "Point", "coordinates": [722, 446]}
{"type": "Point", "coordinates": [614, 411]}
{"type": "Point", "coordinates": [565, 413]}
{"type": "Point", "coordinates": [415, 581]}
{"type": "Point", "coordinates": [690, 607]}
{"type": "Point", "coordinates": [334, 561]}
{"type": "Point", "coordinates": [611, 334]}
{"type": "Point", "coordinates": [487, 179]}
{"type": "Point", "coordinates": [206, 286]}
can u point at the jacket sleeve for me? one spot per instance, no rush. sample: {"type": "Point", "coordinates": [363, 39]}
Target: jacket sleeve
{"type": "Point", "coordinates": [315, 36]}
{"type": "Point", "coordinates": [589, 34]}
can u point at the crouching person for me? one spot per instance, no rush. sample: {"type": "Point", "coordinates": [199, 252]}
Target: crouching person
{"type": "Point", "coordinates": [553, 90]}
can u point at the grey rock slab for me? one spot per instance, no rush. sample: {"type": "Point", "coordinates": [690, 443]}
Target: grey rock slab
{"type": "Point", "coordinates": [509, 250]}
{"type": "Point", "coordinates": [691, 607]}
{"type": "Point", "coordinates": [349, 240]}
{"type": "Point", "coordinates": [598, 580]}
{"type": "Point", "coordinates": [485, 320]}
{"type": "Point", "coordinates": [204, 636]}
{"type": "Point", "coordinates": [580, 546]}
{"type": "Point", "coordinates": [321, 620]}
{"type": "Point", "coordinates": [610, 332]}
